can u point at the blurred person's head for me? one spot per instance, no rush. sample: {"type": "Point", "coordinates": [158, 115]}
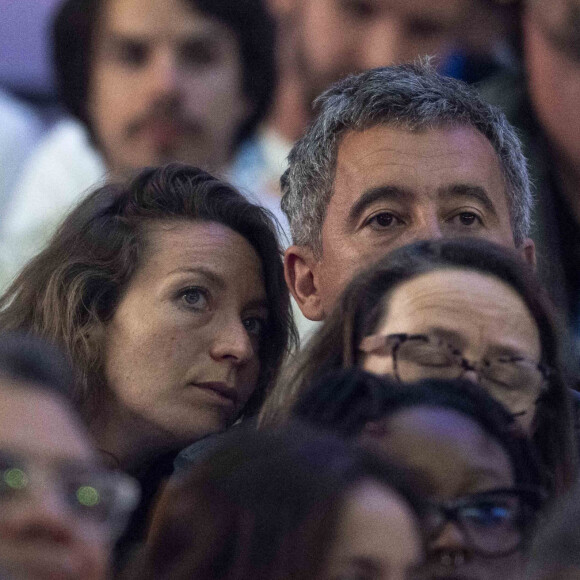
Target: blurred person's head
{"type": "Point", "coordinates": [486, 486]}
{"type": "Point", "coordinates": [395, 155]}
{"type": "Point", "coordinates": [167, 293]}
{"type": "Point", "coordinates": [165, 80]}
{"type": "Point", "coordinates": [286, 504]}
{"type": "Point", "coordinates": [448, 309]}
{"type": "Point", "coordinates": [555, 550]}
{"type": "Point", "coordinates": [60, 510]}
{"type": "Point", "coordinates": [552, 57]}
{"type": "Point", "coordinates": [371, 33]}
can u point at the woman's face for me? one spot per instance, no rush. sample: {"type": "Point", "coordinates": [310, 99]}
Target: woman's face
{"type": "Point", "coordinates": [182, 349]}
{"type": "Point", "coordinates": [457, 458]}
{"type": "Point", "coordinates": [377, 537]}
{"type": "Point", "coordinates": [479, 320]}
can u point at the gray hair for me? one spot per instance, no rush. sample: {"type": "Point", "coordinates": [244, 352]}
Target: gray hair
{"type": "Point", "coordinates": [410, 96]}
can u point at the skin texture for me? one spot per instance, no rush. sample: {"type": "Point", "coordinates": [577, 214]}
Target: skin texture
{"type": "Point", "coordinates": [166, 85]}
{"type": "Point", "coordinates": [457, 457]}
{"type": "Point", "coordinates": [201, 289]}
{"type": "Point", "coordinates": [39, 537]}
{"type": "Point", "coordinates": [427, 178]}
{"type": "Point", "coordinates": [554, 75]}
{"type": "Point", "coordinates": [476, 313]}
{"type": "Point", "coordinates": [377, 537]}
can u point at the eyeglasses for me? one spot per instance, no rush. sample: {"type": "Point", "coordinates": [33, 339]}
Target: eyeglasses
{"type": "Point", "coordinates": [89, 493]}
{"type": "Point", "coordinates": [493, 523]}
{"type": "Point", "coordinates": [418, 356]}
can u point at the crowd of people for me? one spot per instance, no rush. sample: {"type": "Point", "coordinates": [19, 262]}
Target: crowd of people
{"type": "Point", "coordinates": [290, 290]}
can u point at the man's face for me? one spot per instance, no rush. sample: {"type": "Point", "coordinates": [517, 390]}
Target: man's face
{"type": "Point", "coordinates": [339, 37]}
{"type": "Point", "coordinates": [393, 187]}
{"type": "Point", "coordinates": [165, 85]}
{"type": "Point", "coordinates": [552, 55]}
{"type": "Point", "coordinates": [40, 537]}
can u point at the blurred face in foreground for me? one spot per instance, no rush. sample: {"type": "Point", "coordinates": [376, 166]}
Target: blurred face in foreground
{"type": "Point", "coordinates": [377, 537]}
{"type": "Point", "coordinates": [44, 530]}
{"type": "Point", "coordinates": [458, 459]}
{"type": "Point", "coordinates": [392, 187]}
{"type": "Point", "coordinates": [462, 323]}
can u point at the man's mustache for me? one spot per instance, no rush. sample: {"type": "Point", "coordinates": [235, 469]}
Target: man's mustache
{"type": "Point", "coordinates": [176, 117]}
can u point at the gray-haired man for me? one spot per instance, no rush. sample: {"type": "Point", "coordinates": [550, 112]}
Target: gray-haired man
{"type": "Point", "coordinates": [398, 154]}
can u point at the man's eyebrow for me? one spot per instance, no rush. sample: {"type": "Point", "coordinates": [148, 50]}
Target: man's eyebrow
{"type": "Point", "coordinates": [475, 192]}
{"type": "Point", "coordinates": [380, 193]}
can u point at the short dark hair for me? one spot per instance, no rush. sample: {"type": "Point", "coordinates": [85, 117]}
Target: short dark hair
{"type": "Point", "coordinates": [73, 36]}
{"type": "Point", "coordinates": [263, 505]}
{"type": "Point", "coordinates": [74, 285]}
{"type": "Point", "coordinates": [364, 304]}
{"type": "Point", "coordinates": [346, 400]}
{"type": "Point", "coordinates": [28, 359]}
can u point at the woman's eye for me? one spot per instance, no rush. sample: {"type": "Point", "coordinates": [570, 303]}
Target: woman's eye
{"type": "Point", "coordinates": [384, 219]}
{"type": "Point", "coordinates": [254, 326]}
{"type": "Point", "coordinates": [195, 298]}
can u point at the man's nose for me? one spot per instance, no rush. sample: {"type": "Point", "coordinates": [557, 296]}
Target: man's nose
{"type": "Point", "coordinates": [164, 72]}
{"type": "Point", "coordinates": [427, 227]}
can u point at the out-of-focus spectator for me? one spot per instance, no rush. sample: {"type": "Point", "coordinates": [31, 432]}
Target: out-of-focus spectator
{"type": "Point", "coordinates": [20, 131]}
{"type": "Point", "coordinates": [555, 549]}
{"type": "Point", "coordinates": [147, 82]}
{"type": "Point", "coordinates": [395, 155]}
{"type": "Point", "coordinates": [445, 309]}
{"type": "Point", "coordinates": [321, 41]}
{"type": "Point", "coordinates": [544, 106]}
{"type": "Point", "coordinates": [486, 488]}
{"type": "Point", "coordinates": [60, 509]}
{"type": "Point", "coordinates": [167, 293]}
{"type": "Point", "coordinates": [289, 504]}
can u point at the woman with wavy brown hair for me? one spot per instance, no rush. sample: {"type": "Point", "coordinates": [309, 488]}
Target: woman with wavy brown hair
{"type": "Point", "coordinates": [450, 309]}
{"type": "Point", "coordinates": [167, 294]}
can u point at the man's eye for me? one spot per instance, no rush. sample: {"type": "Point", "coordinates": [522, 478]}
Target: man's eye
{"type": "Point", "coordinates": [382, 220]}
{"type": "Point", "coordinates": [467, 218]}
{"type": "Point", "coordinates": [360, 9]}
{"type": "Point", "coordinates": [132, 53]}
{"type": "Point", "coordinates": [196, 53]}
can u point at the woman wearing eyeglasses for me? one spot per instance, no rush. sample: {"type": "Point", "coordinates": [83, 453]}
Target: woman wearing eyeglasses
{"type": "Point", "coordinates": [486, 486]}
{"type": "Point", "coordinates": [450, 309]}
{"type": "Point", "coordinates": [60, 508]}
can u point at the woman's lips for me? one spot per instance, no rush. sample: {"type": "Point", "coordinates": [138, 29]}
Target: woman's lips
{"type": "Point", "coordinates": [224, 391]}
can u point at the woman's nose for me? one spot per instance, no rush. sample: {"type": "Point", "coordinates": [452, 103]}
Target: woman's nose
{"type": "Point", "coordinates": [233, 342]}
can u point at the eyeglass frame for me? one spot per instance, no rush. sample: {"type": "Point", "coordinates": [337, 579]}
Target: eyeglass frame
{"type": "Point", "coordinates": [127, 489]}
{"type": "Point", "coordinates": [535, 497]}
{"type": "Point", "coordinates": [372, 343]}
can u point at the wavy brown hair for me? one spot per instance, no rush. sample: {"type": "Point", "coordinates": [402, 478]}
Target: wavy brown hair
{"type": "Point", "coordinates": [72, 288]}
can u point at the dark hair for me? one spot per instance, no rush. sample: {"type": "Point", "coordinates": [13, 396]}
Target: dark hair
{"type": "Point", "coordinates": [72, 288]}
{"type": "Point", "coordinates": [28, 359]}
{"type": "Point", "coordinates": [264, 506]}
{"type": "Point", "coordinates": [76, 23]}
{"type": "Point", "coordinates": [345, 401]}
{"type": "Point", "coordinates": [556, 546]}
{"type": "Point", "coordinates": [364, 304]}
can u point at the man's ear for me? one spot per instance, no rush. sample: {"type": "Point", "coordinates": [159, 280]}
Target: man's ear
{"type": "Point", "coordinates": [528, 252]}
{"type": "Point", "coordinates": [302, 280]}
